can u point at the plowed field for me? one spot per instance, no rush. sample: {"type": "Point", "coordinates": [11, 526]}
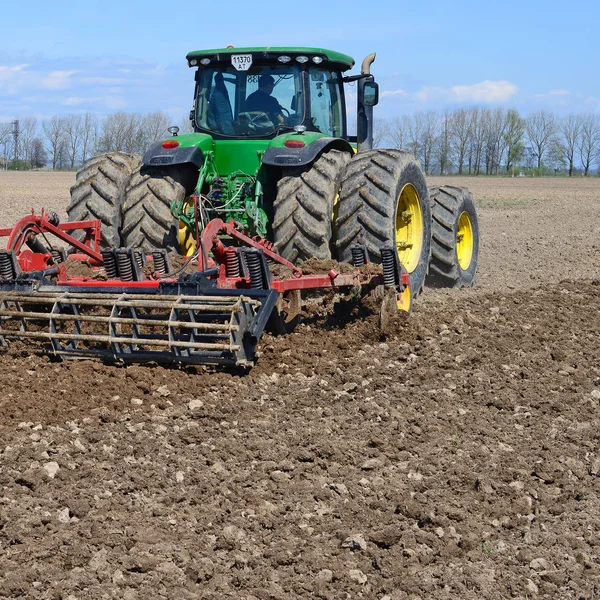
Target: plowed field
{"type": "Point", "coordinates": [456, 456]}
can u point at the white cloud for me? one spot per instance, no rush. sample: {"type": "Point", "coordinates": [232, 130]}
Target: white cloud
{"type": "Point", "coordinates": [7, 73]}
{"type": "Point", "coordinates": [486, 91]}
{"type": "Point", "coordinates": [388, 93]}
{"type": "Point", "coordinates": [57, 80]}
{"type": "Point", "coordinates": [559, 93]}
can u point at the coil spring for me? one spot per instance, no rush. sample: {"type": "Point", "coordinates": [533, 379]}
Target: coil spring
{"type": "Point", "coordinates": [110, 265]}
{"type": "Point", "coordinates": [389, 267]}
{"type": "Point", "coordinates": [139, 258]}
{"type": "Point", "coordinates": [57, 256]}
{"type": "Point", "coordinates": [6, 266]}
{"type": "Point", "coordinates": [124, 266]}
{"type": "Point", "coordinates": [232, 263]}
{"type": "Point", "coordinates": [160, 262]}
{"type": "Point", "coordinates": [254, 267]}
{"type": "Point", "coordinates": [358, 256]}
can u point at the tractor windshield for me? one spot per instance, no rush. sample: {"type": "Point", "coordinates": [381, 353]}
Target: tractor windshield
{"type": "Point", "coordinates": [251, 103]}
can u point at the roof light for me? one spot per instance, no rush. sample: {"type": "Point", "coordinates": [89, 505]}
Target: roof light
{"type": "Point", "coordinates": [170, 144]}
{"type": "Point", "coordinates": [284, 59]}
{"type": "Point", "coordinates": [301, 59]}
{"type": "Point", "coordinates": [193, 62]}
{"type": "Point", "coordinates": [294, 144]}
{"type": "Point", "coordinates": [317, 60]}
{"type": "Point", "coordinates": [205, 61]}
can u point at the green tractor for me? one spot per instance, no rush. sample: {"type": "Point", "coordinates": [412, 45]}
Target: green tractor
{"type": "Point", "coordinates": [270, 150]}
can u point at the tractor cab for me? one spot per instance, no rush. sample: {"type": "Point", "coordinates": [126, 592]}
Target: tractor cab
{"type": "Point", "coordinates": [261, 93]}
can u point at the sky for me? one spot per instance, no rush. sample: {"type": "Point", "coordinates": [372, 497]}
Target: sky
{"type": "Point", "coordinates": [66, 57]}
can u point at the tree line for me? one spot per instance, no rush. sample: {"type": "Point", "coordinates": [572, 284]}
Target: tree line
{"type": "Point", "coordinates": [470, 141]}
{"type": "Point", "coordinates": [488, 141]}
{"type": "Point", "coordinates": [67, 142]}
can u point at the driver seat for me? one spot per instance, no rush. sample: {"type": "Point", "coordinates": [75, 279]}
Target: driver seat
{"type": "Point", "coordinates": [220, 115]}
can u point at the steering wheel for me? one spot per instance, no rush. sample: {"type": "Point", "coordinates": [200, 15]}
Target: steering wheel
{"type": "Point", "coordinates": [285, 111]}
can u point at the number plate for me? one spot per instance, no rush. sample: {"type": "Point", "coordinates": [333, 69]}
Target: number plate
{"type": "Point", "coordinates": [242, 62]}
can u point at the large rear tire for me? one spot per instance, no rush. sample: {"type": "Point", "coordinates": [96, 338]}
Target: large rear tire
{"type": "Point", "coordinates": [303, 208]}
{"type": "Point", "coordinates": [98, 193]}
{"type": "Point", "coordinates": [454, 238]}
{"type": "Point", "coordinates": [384, 202]}
{"type": "Point", "coordinates": [147, 221]}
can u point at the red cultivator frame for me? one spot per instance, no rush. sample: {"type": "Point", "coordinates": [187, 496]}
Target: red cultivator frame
{"type": "Point", "coordinates": [134, 306]}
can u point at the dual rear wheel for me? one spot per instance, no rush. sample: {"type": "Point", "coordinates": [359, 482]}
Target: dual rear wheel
{"type": "Point", "coordinates": [379, 198]}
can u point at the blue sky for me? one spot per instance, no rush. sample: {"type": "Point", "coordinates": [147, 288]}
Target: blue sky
{"type": "Point", "coordinates": [102, 56]}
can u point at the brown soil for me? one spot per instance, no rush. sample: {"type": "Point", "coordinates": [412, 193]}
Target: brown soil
{"type": "Point", "coordinates": [455, 456]}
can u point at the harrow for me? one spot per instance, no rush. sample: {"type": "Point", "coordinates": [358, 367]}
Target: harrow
{"type": "Point", "coordinates": [129, 305]}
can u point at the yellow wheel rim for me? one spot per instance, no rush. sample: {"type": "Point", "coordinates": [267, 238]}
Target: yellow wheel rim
{"type": "Point", "coordinates": [464, 241]}
{"type": "Point", "coordinates": [409, 228]}
{"type": "Point", "coordinates": [404, 299]}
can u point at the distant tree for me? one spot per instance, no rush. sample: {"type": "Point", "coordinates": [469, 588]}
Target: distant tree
{"type": "Point", "coordinates": [39, 156]}
{"type": "Point", "coordinates": [414, 134]}
{"type": "Point", "coordinates": [514, 134]}
{"type": "Point", "coordinates": [121, 132]}
{"type": "Point", "coordinates": [478, 127]}
{"type": "Point", "coordinates": [153, 128]}
{"type": "Point", "coordinates": [186, 126]}
{"type": "Point", "coordinates": [89, 135]}
{"type": "Point", "coordinates": [494, 127]}
{"type": "Point", "coordinates": [589, 141]}
{"type": "Point", "coordinates": [443, 146]}
{"type": "Point", "coordinates": [28, 127]}
{"type": "Point", "coordinates": [73, 129]}
{"type": "Point", "coordinates": [541, 127]}
{"type": "Point", "coordinates": [460, 130]}
{"type": "Point", "coordinates": [398, 133]}
{"type": "Point", "coordinates": [429, 127]}
{"type": "Point", "coordinates": [381, 132]}
{"type": "Point", "coordinates": [54, 132]}
{"type": "Point", "coordinates": [570, 132]}
{"type": "Point", "coordinates": [5, 139]}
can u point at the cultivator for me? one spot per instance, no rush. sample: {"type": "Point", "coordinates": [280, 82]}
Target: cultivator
{"type": "Point", "coordinates": [133, 306]}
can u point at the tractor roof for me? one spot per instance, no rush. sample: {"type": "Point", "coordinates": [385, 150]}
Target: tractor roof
{"type": "Point", "coordinates": [337, 60]}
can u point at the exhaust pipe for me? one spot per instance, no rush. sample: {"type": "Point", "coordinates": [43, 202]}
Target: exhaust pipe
{"type": "Point", "coordinates": [364, 113]}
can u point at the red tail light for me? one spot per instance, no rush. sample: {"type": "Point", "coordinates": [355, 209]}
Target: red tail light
{"type": "Point", "coordinates": [170, 144]}
{"type": "Point", "coordinates": [294, 144]}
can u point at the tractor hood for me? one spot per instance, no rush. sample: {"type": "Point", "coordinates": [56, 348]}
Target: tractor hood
{"type": "Point", "coordinates": [186, 148]}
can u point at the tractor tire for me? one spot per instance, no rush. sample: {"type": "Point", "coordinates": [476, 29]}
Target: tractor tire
{"type": "Point", "coordinates": [454, 238]}
{"type": "Point", "coordinates": [384, 202]}
{"type": "Point", "coordinates": [146, 218]}
{"type": "Point", "coordinates": [303, 208]}
{"type": "Point", "coordinates": [98, 193]}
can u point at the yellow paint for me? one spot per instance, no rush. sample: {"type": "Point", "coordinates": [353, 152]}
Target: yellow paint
{"type": "Point", "coordinates": [409, 228]}
{"type": "Point", "coordinates": [404, 299]}
{"type": "Point", "coordinates": [464, 241]}
{"type": "Point", "coordinates": [187, 243]}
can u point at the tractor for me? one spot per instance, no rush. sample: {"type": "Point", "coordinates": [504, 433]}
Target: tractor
{"type": "Point", "coordinates": [268, 181]}
{"type": "Point", "coordinates": [293, 176]}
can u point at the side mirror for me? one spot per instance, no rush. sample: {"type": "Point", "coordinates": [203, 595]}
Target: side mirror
{"type": "Point", "coordinates": [370, 93]}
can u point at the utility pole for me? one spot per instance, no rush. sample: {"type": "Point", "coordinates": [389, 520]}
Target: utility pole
{"type": "Point", "coordinates": [15, 133]}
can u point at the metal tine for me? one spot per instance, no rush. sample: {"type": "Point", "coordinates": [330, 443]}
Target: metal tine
{"type": "Point", "coordinates": [41, 335]}
{"type": "Point", "coordinates": [142, 320]}
{"type": "Point", "coordinates": [226, 308]}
